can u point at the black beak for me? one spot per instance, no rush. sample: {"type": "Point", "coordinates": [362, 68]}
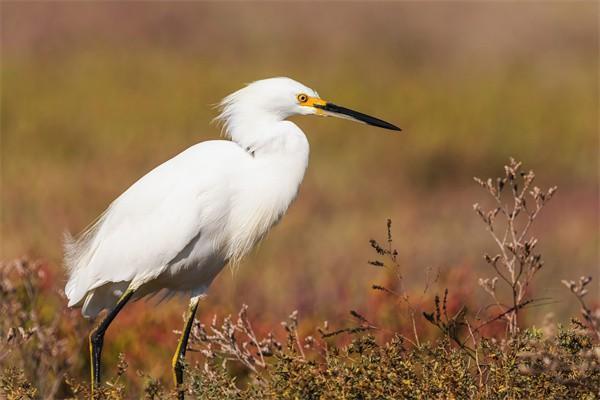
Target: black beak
{"type": "Point", "coordinates": [344, 112]}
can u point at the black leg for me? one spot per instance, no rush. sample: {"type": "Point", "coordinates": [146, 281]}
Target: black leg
{"type": "Point", "coordinates": [97, 337]}
{"type": "Point", "coordinates": [179, 356]}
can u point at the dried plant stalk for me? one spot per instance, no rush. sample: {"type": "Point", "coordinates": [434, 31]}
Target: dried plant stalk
{"type": "Point", "coordinates": [509, 223]}
{"type": "Point", "coordinates": [591, 317]}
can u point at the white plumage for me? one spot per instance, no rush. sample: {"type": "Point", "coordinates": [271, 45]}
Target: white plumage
{"type": "Point", "coordinates": [176, 227]}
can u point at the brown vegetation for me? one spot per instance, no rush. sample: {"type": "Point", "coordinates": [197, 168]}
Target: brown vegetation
{"type": "Point", "coordinates": [96, 94]}
{"type": "Point", "coordinates": [463, 361]}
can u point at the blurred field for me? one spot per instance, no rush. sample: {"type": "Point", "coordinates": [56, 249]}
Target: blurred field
{"type": "Point", "coordinates": [96, 94]}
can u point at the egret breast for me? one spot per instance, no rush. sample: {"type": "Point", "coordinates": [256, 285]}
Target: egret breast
{"type": "Point", "coordinates": [265, 189]}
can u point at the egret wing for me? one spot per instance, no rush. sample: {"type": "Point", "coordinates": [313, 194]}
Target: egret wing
{"type": "Point", "coordinates": [153, 220]}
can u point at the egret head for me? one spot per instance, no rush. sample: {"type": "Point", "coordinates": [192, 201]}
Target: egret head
{"type": "Point", "coordinates": [280, 98]}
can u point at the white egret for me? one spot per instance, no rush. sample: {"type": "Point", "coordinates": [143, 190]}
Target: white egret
{"type": "Point", "coordinates": [177, 227]}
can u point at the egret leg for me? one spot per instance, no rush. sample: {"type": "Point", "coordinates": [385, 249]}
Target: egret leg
{"type": "Point", "coordinates": [179, 356]}
{"type": "Point", "coordinates": [97, 337]}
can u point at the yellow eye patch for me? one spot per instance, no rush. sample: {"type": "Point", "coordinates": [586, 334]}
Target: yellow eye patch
{"type": "Point", "coordinates": [309, 101]}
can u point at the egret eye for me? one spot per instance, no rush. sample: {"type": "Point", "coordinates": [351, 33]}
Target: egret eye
{"type": "Point", "coordinates": [302, 98]}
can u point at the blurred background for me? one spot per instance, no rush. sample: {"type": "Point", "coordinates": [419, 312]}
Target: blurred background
{"type": "Point", "coordinates": [95, 94]}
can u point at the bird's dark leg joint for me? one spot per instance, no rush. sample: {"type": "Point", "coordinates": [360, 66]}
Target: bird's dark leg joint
{"type": "Point", "coordinates": [179, 358]}
{"type": "Point", "coordinates": [96, 343]}
{"type": "Point", "coordinates": [178, 362]}
{"type": "Point", "coordinates": [178, 368]}
{"type": "Point", "coordinates": [97, 338]}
